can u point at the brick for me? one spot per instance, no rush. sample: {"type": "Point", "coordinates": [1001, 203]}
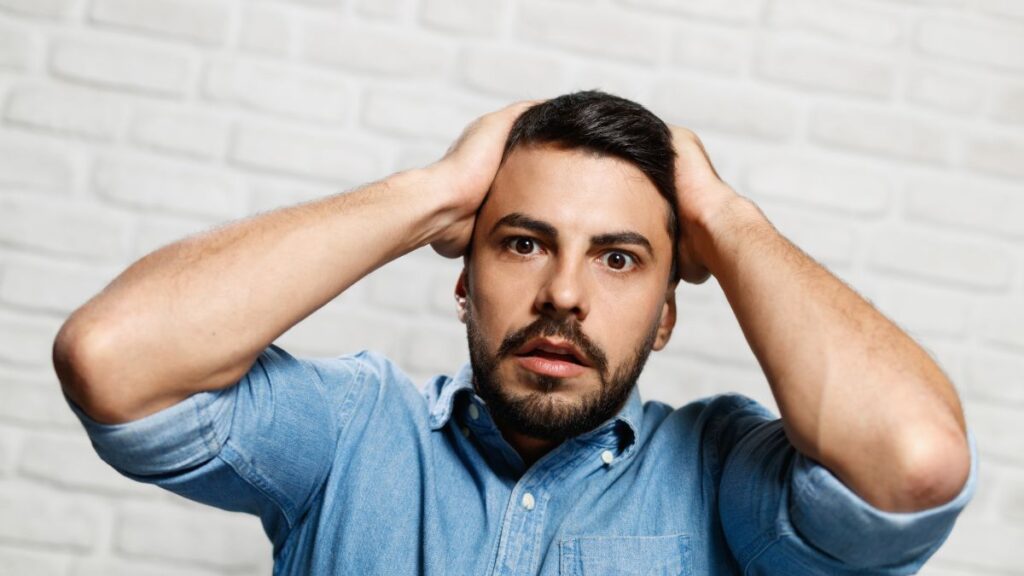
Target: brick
{"type": "Point", "coordinates": [165, 186]}
{"type": "Point", "coordinates": [266, 195]}
{"type": "Point", "coordinates": [714, 337]}
{"type": "Point", "coordinates": [962, 40]}
{"type": "Point", "coordinates": [999, 322]}
{"type": "Point", "coordinates": [41, 8]}
{"type": "Point", "coordinates": [728, 10]}
{"type": "Point", "coordinates": [841, 20]}
{"type": "Point", "coordinates": [402, 286]}
{"type": "Point", "coordinates": [838, 186]}
{"type": "Point", "coordinates": [416, 154]}
{"type": "Point", "coordinates": [662, 380]}
{"type": "Point", "coordinates": [596, 30]}
{"type": "Point", "coordinates": [10, 439]}
{"type": "Point", "coordinates": [71, 463]}
{"type": "Point", "coordinates": [415, 112]}
{"type": "Point", "coordinates": [621, 80]}
{"type": "Point", "coordinates": [994, 376]}
{"type": "Point", "coordinates": [62, 228]}
{"type": "Point", "coordinates": [26, 341]}
{"type": "Point", "coordinates": [983, 546]}
{"type": "Point", "coordinates": [925, 310]}
{"type": "Point", "coordinates": [1011, 8]}
{"type": "Point", "coordinates": [879, 131]}
{"type": "Point", "coordinates": [120, 64]}
{"type": "Point", "coordinates": [818, 64]}
{"type": "Point", "coordinates": [64, 109]}
{"type": "Point", "coordinates": [1000, 154]}
{"type": "Point", "coordinates": [370, 48]}
{"type": "Point", "coordinates": [442, 288]}
{"type": "Point", "coordinates": [338, 331]}
{"type": "Point", "coordinates": [466, 17]}
{"type": "Point", "coordinates": [36, 516]}
{"type": "Point", "coordinates": [969, 204]}
{"type": "Point", "coordinates": [383, 9]}
{"type": "Point", "coordinates": [119, 567]}
{"type": "Point", "coordinates": [50, 286]}
{"type": "Point", "coordinates": [153, 231]}
{"type": "Point", "coordinates": [1008, 106]}
{"type": "Point", "coordinates": [945, 90]}
{"type": "Point", "coordinates": [160, 531]}
{"type": "Point", "coordinates": [267, 29]}
{"type": "Point", "coordinates": [203, 21]}
{"type": "Point", "coordinates": [514, 73]}
{"type": "Point", "coordinates": [35, 401]}
{"type": "Point", "coordinates": [14, 562]}
{"type": "Point", "coordinates": [1010, 494]}
{"type": "Point", "coordinates": [19, 46]}
{"type": "Point", "coordinates": [830, 240]}
{"type": "Point", "coordinates": [934, 256]}
{"type": "Point", "coordinates": [305, 153]}
{"type": "Point", "coordinates": [27, 165]}
{"type": "Point", "coordinates": [716, 50]}
{"type": "Point", "coordinates": [197, 135]}
{"type": "Point", "coordinates": [998, 429]}
{"type": "Point", "coordinates": [438, 348]}
{"type": "Point", "coordinates": [726, 107]}
{"type": "Point", "coordinates": [279, 88]}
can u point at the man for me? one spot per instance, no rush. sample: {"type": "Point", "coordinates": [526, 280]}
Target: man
{"type": "Point", "coordinates": [575, 217]}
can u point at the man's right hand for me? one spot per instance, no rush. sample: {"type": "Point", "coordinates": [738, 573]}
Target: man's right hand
{"type": "Point", "coordinates": [467, 171]}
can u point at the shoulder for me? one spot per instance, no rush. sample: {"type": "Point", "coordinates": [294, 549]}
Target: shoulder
{"type": "Point", "coordinates": [710, 412]}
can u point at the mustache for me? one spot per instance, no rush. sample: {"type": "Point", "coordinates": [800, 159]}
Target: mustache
{"type": "Point", "coordinates": [545, 326]}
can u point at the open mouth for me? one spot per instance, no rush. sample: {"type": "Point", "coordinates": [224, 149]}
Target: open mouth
{"type": "Point", "coordinates": [555, 356]}
{"type": "Point", "coordinates": [552, 358]}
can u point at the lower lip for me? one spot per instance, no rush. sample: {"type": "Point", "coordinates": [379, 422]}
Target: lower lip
{"type": "Point", "coordinates": [549, 367]}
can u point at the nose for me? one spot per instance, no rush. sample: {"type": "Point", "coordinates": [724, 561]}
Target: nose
{"type": "Point", "coordinates": [564, 292]}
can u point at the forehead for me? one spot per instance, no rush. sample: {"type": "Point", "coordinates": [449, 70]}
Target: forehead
{"type": "Point", "coordinates": [577, 192]}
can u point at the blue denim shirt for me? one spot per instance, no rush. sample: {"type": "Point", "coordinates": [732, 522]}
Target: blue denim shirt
{"type": "Point", "coordinates": [353, 469]}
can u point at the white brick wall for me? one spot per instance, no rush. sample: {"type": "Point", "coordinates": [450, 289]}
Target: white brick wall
{"type": "Point", "coordinates": [885, 137]}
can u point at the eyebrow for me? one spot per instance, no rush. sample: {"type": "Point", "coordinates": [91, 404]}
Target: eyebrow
{"type": "Point", "coordinates": [520, 220]}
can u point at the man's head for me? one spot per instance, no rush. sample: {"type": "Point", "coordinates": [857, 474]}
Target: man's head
{"type": "Point", "coordinates": [570, 276]}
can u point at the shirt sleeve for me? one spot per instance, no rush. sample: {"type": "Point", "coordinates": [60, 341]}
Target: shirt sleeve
{"type": "Point", "coordinates": [783, 512]}
{"type": "Point", "coordinates": [263, 445]}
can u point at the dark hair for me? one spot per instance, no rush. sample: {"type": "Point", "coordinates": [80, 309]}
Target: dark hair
{"type": "Point", "coordinates": [605, 124]}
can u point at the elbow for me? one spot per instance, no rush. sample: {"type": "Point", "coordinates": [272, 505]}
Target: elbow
{"type": "Point", "coordinates": [79, 354]}
{"type": "Point", "coordinates": [936, 470]}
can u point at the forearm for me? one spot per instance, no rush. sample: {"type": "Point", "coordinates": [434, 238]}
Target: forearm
{"type": "Point", "coordinates": [855, 392]}
{"type": "Point", "coordinates": [196, 314]}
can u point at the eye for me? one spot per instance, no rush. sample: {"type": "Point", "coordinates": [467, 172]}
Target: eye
{"type": "Point", "coordinates": [620, 261]}
{"type": "Point", "coordinates": [522, 245]}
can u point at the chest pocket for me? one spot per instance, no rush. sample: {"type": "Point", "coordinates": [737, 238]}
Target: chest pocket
{"type": "Point", "coordinates": [625, 556]}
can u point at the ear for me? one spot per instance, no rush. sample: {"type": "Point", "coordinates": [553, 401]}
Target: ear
{"type": "Point", "coordinates": [668, 318]}
{"type": "Point", "coordinates": [461, 296]}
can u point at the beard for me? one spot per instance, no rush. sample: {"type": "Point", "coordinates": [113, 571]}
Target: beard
{"type": "Point", "coordinates": [538, 414]}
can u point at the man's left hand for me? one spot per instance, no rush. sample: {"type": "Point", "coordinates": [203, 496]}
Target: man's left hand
{"type": "Point", "coordinates": [701, 197]}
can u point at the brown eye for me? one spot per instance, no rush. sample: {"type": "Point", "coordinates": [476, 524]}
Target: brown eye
{"type": "Point", "coordinates": [618, 261]}
{"type": "Point", "coordinates": [523, 246]}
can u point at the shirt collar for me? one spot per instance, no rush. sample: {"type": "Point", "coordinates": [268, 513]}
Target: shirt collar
{"type": "Point", "coordinates": [442, 391]}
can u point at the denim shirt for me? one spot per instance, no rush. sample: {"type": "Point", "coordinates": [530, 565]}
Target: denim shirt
{"type": "Point", "coordinates": [353, 469]}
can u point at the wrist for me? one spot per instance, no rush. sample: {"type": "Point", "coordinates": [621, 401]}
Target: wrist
{"type": "Point", "coordinates": [720, 230]}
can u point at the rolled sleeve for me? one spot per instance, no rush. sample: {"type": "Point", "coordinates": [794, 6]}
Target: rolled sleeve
{"type": "Point", "coordinates": [783, 512]}
{"type": "Point", "coordinates": [263, 445]}
{"type": "Point", "coordinates": [179, 437]}
{"type": "Point", "coordinates": [834, 518]}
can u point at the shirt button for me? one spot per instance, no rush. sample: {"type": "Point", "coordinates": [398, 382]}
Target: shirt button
{"type": "Point", "coordinates": [474, 412]}
{"type": "Point", "coordinates": [607, 456]}
{"type": "Point", "coordinates": [528, 501]}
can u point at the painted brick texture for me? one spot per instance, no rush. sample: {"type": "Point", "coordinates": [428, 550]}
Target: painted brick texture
{"type": "Point", "coordinates": [885, 138]}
